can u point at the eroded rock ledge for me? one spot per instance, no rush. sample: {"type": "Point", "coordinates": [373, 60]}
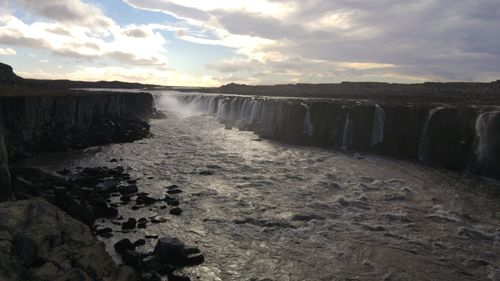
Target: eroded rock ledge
{"type": "Point", "coordinates": [40, 242]}
{"type": "Point", "coordinates": [35, 124]}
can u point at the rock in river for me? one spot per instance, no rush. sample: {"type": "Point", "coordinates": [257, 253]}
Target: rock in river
{"type": "Point", "coordinates": [40, 242]}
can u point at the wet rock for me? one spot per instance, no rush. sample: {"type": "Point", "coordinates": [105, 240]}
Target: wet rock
{"type": "Point", "coordinates": [125, 199]}
{"type": "Point", "coordinates": [104, 231]}
{"type": "Point", "coordinates": [129, 189]}
{"type": "Point", "coordinates": [172, 277]}
{"type": "Point", "coordinates": [150, 276]}
{"type": "Point", "coordinates": [142, 223]}
{"type": "Point", "coordinates": [174, 191]}
{"type": "Point", "coordinates": [173, 186]}
{"type": "Point", "coordinates": [473, 234]}
{"type": "Point", "coordinates": [139, 242]}
{"type": "Point", "coordinates": [306, 217]}
{"type": "Point", "coordinates": [170, 251]}
{"type": "Point", "coordinates": [131, 258]}
{"type": "Point", "coordinates": [151, 263]}
{"type": "Point", "coordinates": [193, 260]}
{"type": "Point", "coordinates": [397, 217]}
{"type": "Point", "coordinates": [373, 227]}
{"type": "Point", "coordinates": [158, 219]}
{"type": "Point", "coordinates": [41, 241]}
{"type": "Point", "coordinates": [107, 186]}
{"type": "Point", "coordinates": [105, 212]}
{"type": "Point", "coordinates": [171, 201]}
{"type": "Point", "coordinates": [176, 211]}
{"type": "Point", "coordinates": [123, 245]}
{"type": "Point", "coordinates": [143, 199]}
{"type": "Point", "coordinates": [129, 224]}
{"type": "Point", "coordinates": [205, 173]}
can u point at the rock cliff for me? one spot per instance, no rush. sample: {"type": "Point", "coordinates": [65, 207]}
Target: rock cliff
{"type": "Point", "coordinates": [34, 124]}
{"type": "Point", "coordinates": [40, 242]}
{"type": "Point", "coordinates": [456, 137]}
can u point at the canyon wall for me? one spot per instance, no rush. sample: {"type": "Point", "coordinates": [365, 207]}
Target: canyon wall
{"type": "Point", "coordinates": [35, 124]}
{"type": "Point", "coordinates": [454, 137]}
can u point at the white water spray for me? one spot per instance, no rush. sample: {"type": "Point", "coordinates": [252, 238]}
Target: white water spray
{"type": "Point", "coordinates": [378, 125]}
{"type": "Point", "coordinates": [424, 140]}
{"type": "Point", "coordinates": [347, 135]}
{"type": "Point", "coordinates": [308, 126]}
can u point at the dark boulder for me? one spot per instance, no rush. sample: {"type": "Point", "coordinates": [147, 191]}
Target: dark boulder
{"type": "Point", "coordinates": [40, 242]}
{"type": "Point", "coordinates": [129, 189]}
{"type": "Point", "coordinates": [131, 258]}
{"type": "Point", "coordinates": [123, 245]}
{"type": "Point", "coordinates": [176, 211]}
{"type": "Point", "coordinates": [170, 251]}
{"type": "Point", "coordinates": [129, 224]}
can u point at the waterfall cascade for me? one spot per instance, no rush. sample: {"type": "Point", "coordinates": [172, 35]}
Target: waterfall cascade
{"type": "Point", "coordinates": [308, 126]}
{"type": "Point", "coordinates": [487, 149]}
{"type": "Point", "coordinates": [409, 132]}
{"type": "Point", "coordinates": [347, 134]}
{"type": "Point", "coordinates": [378, 125]}
{"type": "Point", "coordinates": [425, 138]}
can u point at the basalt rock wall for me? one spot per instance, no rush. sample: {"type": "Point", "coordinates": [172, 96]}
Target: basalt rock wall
{"type": "Point", "coordinates": [452, 137]}
{"type": "Point", "coordinates": [34, 124]}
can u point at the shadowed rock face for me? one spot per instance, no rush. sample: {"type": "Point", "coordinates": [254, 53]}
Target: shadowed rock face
{"type": "Point", "coordinates": [7, 74]}
{"type": "Point", "coordinates": [40, 242]}
{"type": "Point", "coordinates": [59, 123]}
{"type": "Point", "coordinates": [5, 188]}
{"type": "Point", "coordinates": [453, 137]}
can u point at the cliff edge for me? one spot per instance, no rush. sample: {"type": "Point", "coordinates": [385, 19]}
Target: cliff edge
{"type": "Point", "coordinates": [7, 74]}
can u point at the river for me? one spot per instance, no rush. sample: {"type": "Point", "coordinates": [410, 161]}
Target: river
{"type": "Point", "coordinates": [263, 210]}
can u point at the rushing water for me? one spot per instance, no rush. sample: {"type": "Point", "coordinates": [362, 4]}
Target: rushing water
{"type": "Point", "coordinates": [282, 212]}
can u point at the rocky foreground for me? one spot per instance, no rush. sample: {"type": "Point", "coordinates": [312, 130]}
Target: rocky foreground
{"type": "Point", "coordinates": [47, 228]}
{"type": "Point", "coordinates": [38, 241]}
{"type": "Point", "coordinates": [92, 193]}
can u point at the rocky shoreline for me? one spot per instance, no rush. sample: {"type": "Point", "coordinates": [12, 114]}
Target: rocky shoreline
{"type": "Point", "coordinates": [85, 196]}
{"type": "Point", "coordinates": [47, 220]}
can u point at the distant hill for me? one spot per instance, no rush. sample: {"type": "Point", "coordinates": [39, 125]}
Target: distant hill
{"type": "Point", "coordinates": [8, 77]}
{"type": "Point", "coordinates": [429, 92]}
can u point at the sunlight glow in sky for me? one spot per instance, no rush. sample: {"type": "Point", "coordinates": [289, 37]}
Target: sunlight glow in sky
{"type": "Point", "coordinates": [210, 43]}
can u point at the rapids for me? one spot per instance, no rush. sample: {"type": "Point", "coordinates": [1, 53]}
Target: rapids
{"type": "Point", "coordinates": [274, 211]}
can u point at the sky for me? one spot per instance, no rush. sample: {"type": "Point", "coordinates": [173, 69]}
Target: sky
{"type": "Point", "coordinates": [215, 42]}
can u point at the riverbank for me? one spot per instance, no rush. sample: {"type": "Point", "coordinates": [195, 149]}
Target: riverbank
{"type": "Point", "coordinates": [60, 242]}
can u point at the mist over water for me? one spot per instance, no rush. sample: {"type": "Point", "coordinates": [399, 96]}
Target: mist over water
{"type": "Point", "coordinates": [284, 212]}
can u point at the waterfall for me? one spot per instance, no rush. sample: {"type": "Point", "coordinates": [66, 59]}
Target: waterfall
{"type": "Point", "coordinates": [378, 125]}
{"type": "Point", "coordinates": [486, 136]}
{"type": "Point", "coordinates": [256, 110]}
{"type": "Point", "coordinates": [223, 109]}
{"type": "Point", "coordinates": [308, 126]}
{"type": "Point", "coordinates": [425, 138]}
{"type": "Point", "coordinates": [347, 135]}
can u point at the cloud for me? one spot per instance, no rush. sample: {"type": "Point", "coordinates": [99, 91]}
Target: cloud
{"type": "Point", "coordinates": [67, 11]}
{"type": "Point", "coordinates": [131, 74]}
{"type": "Point", "coordinates": [7, 52]}
{"type": "Point", "coordinates": [406, 40]}
{"type": "Point", "coordinates": [133, 44]}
